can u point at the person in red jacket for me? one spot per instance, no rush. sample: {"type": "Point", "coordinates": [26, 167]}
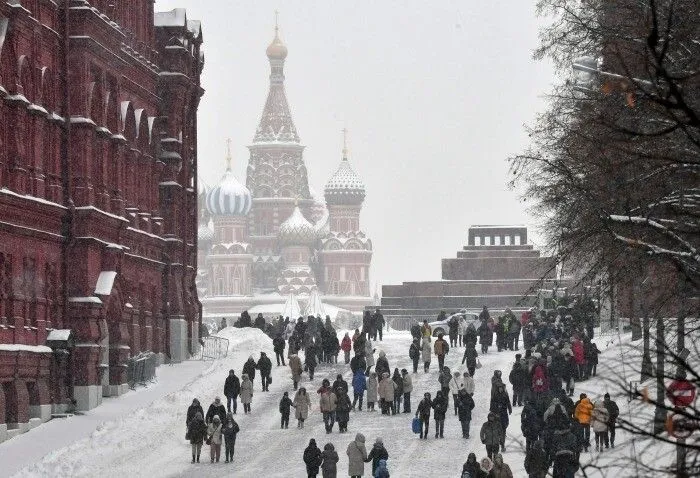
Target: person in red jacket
{"type": "Point", "coordinates": [346, 346]}
{"type": "Point", "coordinates": [579, 356]}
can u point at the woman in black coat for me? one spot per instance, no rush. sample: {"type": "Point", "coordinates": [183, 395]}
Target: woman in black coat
{"type": "Point", "coordinates": [312, 458]}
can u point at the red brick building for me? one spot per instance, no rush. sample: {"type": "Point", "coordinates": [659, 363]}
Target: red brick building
{"type": "Point", "coordinates": [98, 218]}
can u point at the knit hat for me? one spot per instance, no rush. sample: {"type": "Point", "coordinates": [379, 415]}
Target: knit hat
{"type": "Point", "coordinates": [606, 396]}
{"type": "Point", "coordinates": [379, 441]}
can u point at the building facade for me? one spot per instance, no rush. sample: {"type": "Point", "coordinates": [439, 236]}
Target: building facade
{"type": "Point", "coordinates": [274, 236]}
{"type": "Point", "coordinates": [98, 208]}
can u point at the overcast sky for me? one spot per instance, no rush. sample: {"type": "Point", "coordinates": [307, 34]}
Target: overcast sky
{"type": "Point", "coordinates": [434, 94]}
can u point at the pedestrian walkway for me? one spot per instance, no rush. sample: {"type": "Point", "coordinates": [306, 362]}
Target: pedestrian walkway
{"type": "Point", "coordinates": [30, 447]}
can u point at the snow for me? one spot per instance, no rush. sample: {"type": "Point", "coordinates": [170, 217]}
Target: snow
{"type": "Point", "coordinates": [87, 300]}
{"type": "Point", "coordinates": [105, 282]}
{"type": "Point", "coordinates": [25, 348]}
{"type": "Point", "coordinates": [176, 17]}
{"type": "Point", "coordinates": [30, 198]}
{"type": "Point", "coordinates": [59, 334]}
{"type": "Point", "coordinates": [108, 214]}
{"type": "Point", "coordinates": [148, 439]}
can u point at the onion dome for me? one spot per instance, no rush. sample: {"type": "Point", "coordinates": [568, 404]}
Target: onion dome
{"type": "Point", "coordinates": [204, 234]}
{"type": "Point", "coordinates": [345, 186]}
{"type": "Point", "coordinates": [276, 50]}
{"type": "Point", "coordinates": [229, 197]}
{"type": "Point", "coordinates": [296, 230]}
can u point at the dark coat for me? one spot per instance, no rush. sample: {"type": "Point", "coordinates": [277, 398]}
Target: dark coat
{"type": "Point", "coordinates": [232, 386]}
{"type": "Point", "coordinates": [249, 368]}
{"type": "Point", "coordinates": [530, 422]}
{"type": "Point", "coordinates": [278, 344]}
{"type": "Point", "coordinates": [465, 405]}
{"type": "Point", "coordinates": [285, 405]}
{"type": "Point", "coordinates": [192, 412]}
{"type": "Point", "coordinates": [215, 410]}
{"type": "Point", "coordinates": [519, 377]}
{"type": "Point", "coordinates": [377, 453]}
{"type": "Point", "coordinates": [358, 362]}
{"type": "Point", "coordinates": [313, 458]}
{"type": "Point", "coordinates": [338, 385]}
{"type": "Point", "coordinates": [264, 365]}
{"type": "Point", "coordinates": [196, 431]}
{"type": "Point", "coordinates": [536, 459]}
{"type": "Point", "coordinates": [469, 357]}
{"type": "Point", "coordinates": [382, 366]}
{"type": "Point", "coordinates": [329, 468]}
{"type": "Point", "coordinates": [485, 334]}
{"type": "Point", "coordinates": [230, 432]}
{"type": "Point", "coordinates": [424, 408]}
{"type": "Point", "coordinates": [439, 404]}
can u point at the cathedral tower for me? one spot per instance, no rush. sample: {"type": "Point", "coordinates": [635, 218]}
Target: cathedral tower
{"type": "Point", "coordinates": [276, 175]}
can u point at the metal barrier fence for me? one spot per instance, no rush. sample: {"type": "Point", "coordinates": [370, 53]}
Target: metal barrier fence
{"type": "Point", "coordinates": [141, 369]}
{"type": "Point", "coordinates": [212, 348]}
{"type": "Point", "coordinates": [405, 323]}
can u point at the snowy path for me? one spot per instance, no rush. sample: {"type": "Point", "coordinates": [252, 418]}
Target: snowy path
{"type": "Point", "coordinates": [150, 442]}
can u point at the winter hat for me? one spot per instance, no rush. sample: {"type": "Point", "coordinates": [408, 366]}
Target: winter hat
{"type": "Point", "coordinates": [329, 447]}
{"type": "Point", "coordinates": [466, 374]}
{"type": "Point", "coordinates": [486, 464]}
{"type": "Point", "coordinates": [286, 394]}
{"type": "Point", "coordinates": [382, 354]}
{"type": "Point", "coordinates": [456, 374]}
{"type": "Point", "coordinates": [606, 396]}
{"type": "Point", "coordinates": [312, 442]}
{"type": "Point", "coordinates": [360, 438]}
{"type": "Point", "coordinates": [379, 441]}
{"type": "Point", "coordinates": [518, 357]}
{"type": "Point", "coordinates": [582, 396]}
{"type": "Point", "coordinates": [216, 418]}
{"type": "Point", "coordinates": [404, 371]}
{"type": "Point", "coordinates": [339, 377]}
{"type": "Point", "coordinates": [217, 399]}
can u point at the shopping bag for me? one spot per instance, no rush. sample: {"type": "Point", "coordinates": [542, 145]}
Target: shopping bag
{"type": "Point", "coordinates": [415, 425]}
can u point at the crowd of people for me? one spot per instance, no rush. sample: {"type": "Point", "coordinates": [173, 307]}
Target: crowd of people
{"type": "Point", "coordinates": [557, 353]}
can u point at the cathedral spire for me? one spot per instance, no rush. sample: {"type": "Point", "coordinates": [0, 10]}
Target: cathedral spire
{"type": "Point", "coordinates": [345, 144]}
{"type": "Point", "coordinates": [276, 123]}
{"type": "Point", "coordinates": [228, 154]}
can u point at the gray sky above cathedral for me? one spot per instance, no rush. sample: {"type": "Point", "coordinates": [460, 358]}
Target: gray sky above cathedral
{"type": "Point", "coordinates": [434, 95]}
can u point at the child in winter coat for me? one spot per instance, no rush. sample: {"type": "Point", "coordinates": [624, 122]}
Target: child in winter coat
{"type": "Point", "coordinates": [382, 471]}
{"type": "Point", "coordinates": [214, 435]}
{"type": "Point", "coordinates": [377, 453]}
{"type": "Point", "coordinates": [301, 403]}
{"type": "Point", "coordinates": [329, 466]}
{"type": "Point", "coordinates": [246, 393]}
{"type": "Point", "coordinates": [372, 391]}
{"type": "Point", "coordinates": [423, 412]}
{"type": "Point", "coordinates": [500, 469]}
{"type": "Point", "coordinates": [230, 431]}
{"type": "Point", "coordinates": [439, 406]}
{"type": "Point", "coordinates": [359, 385]}
{"type": "Point", "coordinates": [285, 408]}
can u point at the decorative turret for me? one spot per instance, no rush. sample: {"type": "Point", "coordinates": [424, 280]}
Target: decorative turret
{"type": "Point", "coordinates": [229, 197]}
{"type": "Point", "coordinates": [345, 186]}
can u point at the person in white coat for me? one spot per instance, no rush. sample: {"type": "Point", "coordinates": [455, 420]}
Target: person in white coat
{"type": "Point", "coordinates": [461, 330]}
{"type": "Point", "coordinates": [468, 383]}
{"type": "Point", "coordinates": [456, 384]}
{"type": "Point", "coordinates": [369, 354]}
{"type": "Point", "coordinates": [427, 353]}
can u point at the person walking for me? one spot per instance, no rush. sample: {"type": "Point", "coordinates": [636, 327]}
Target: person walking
{"type": "Point", "coordinates": [196, 433]}
{"type": "Point", "coordinates": [246, 393]}
{"type": "Point", "coordinates": [583, 410]}
{"type": "Point", "coordinates": [249, 368]}
{"type": "Point", "coordinates": [327, 404]}
{"type": "Point", "coordinates": [441, 348]}
{"type": "Point", "coordinates": [500, 405]}
{"type": "Point", "coordinates": [599, 422]}
{"type": "Point", "coordinates": [296, 369]}
{"type": "Point", "coordinates": [216, 408]}
{"type": "Point", "coordinates": [377, 453]}
{"type": "Point", "coordinates": [278, 346]}
{"type": "Point", "coordinates": [414, 354]}
{"type": "Point", "coordinates": [357, 456]}
{"type": "Point", "coordinates": [312, 459]}
{"type": "Point", "coordinates": [470, 357]}
{"type": "Point", "coordinates": [192, 411]}
{"type": "Point", "coordinates": [492, 435]}
{"type": "Point", "coordinates": [329, 463]}
{"type": "Point", "coordinates": [346, 347]}
{"type": "Point", "coordinates": [230, 431]}
{"type": "Point", "coordinates": [500, 469]}
{"type": "Point", "coordinates": [379, 324]}
{"type": "Point", "coordinates": [372, 391]}
{"type": "Point", "coordinates": [386, 394]}
{"type": "Point", "coordinates": [301, 404]}
{"type": "Point", "coordinates": [342, 411]}
{"type": "Point", "coordinates": [426, 352]}
{"type": "Point", "coordinates": [519, 379]}
{"type": "Point", "coordinates": [285, 407]}
{"type": "Point", "coordinates": [485, 336]}
{"type": "Point", "coordinates": [453, 330]}
{"type": "Point", "coordinates": [472, 469]}
{"type": "Point", "coordinates": [439, 405]}
{"type": "Point", "coordinates": [423, 413]}
{"type": "Point", "coordinates": [456, 384]}
{"type": "Point", "coordinates": [397, 378]}
{"type": "Point", "coordinates": [232, 388]}
{"type": "Point", "coordinates": [214, 437]}
{"type": "Point", "coordinates": [382, 366]}
{"type": "Point", "coordinates": [359, 385]}
{"type": "Point", "coordinates": [265, 366]}
{"type": "Point", "coordinates": [407, 389]}
{"type": "Point", "coordinates": [613, 413]}
{"type": "Point", "coordinates": [465, 405]}
{"type": "Point", "coordinates": [468, 382]}
{"type": "Point", "coordinates": [536, 460]}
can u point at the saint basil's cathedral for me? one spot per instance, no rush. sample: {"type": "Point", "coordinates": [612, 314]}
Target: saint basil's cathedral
{"type": "Point", "coordinates": [273, 239]}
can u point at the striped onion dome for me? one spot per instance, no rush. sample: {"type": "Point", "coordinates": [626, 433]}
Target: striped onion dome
{"type": "Point", "coordinates": [229, 197]}
{"type": "Point", "coordinates": [296, 230]}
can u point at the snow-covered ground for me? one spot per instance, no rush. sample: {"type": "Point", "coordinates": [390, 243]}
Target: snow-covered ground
{"type": "Point", "coordinates": [150, 441]}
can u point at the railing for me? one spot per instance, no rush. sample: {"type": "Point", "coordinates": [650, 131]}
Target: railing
{"type": "Point", "coordinates": [141, 369]}
{"type": "Point", "coordinates": [212, 348]}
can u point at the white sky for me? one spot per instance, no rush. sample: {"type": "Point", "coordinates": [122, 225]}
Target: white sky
{"type": "Point", "coordinates": [434, 94]}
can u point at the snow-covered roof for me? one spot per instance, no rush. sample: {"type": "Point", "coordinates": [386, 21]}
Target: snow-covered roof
{"type": "Point", "coordinates": [59, 334]}
{"type": "Point", "coordinates": [344, 184]}
{"type": "Point", "coordinates": [174, 18]}
{"type": "Point", "coordinates": [25, 348]}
